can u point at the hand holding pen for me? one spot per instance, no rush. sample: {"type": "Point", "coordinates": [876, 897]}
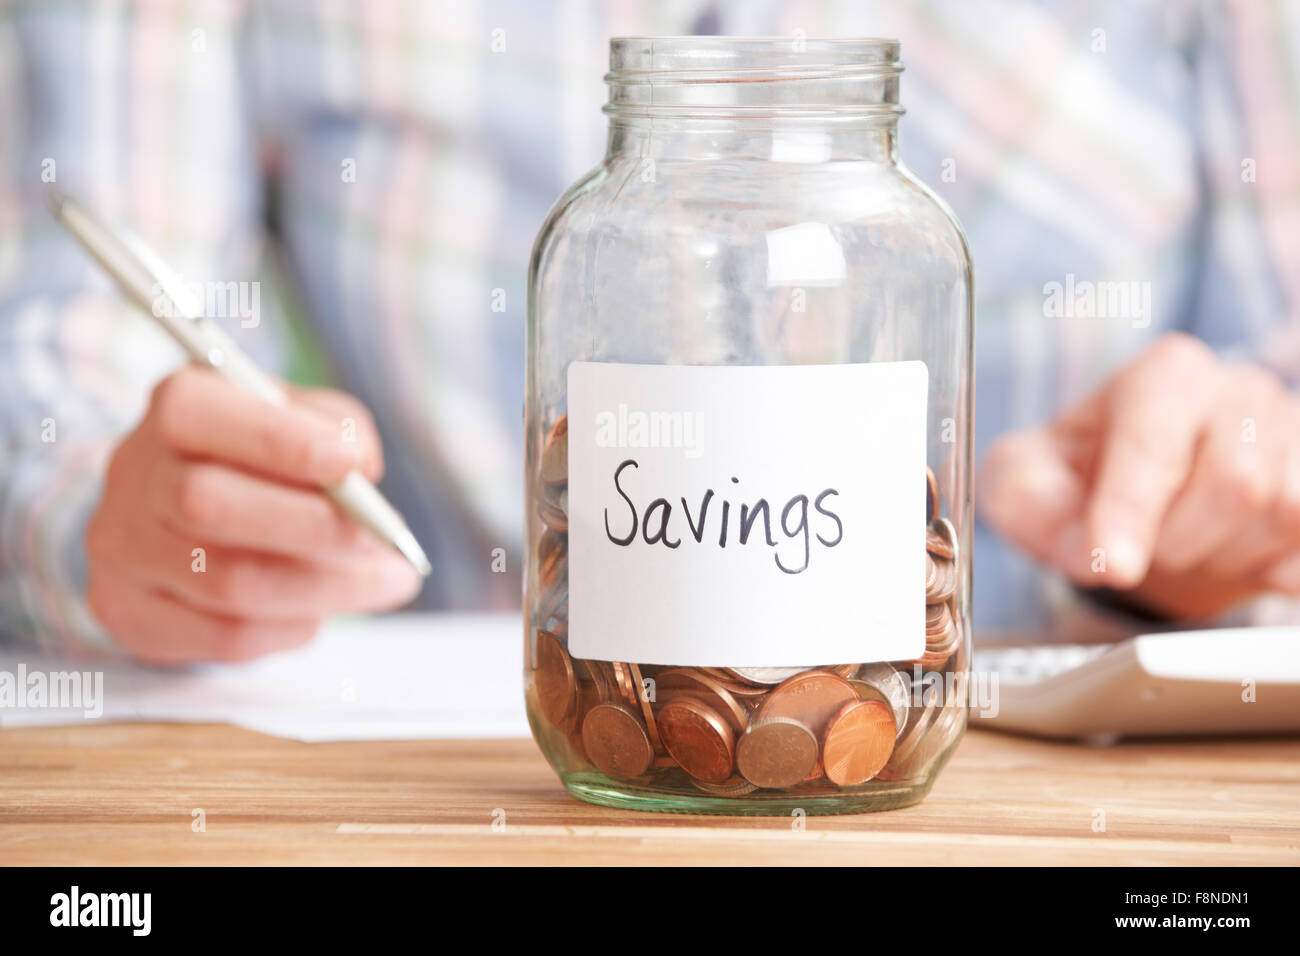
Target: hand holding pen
{"type": "Point", "coordinates": [212, 539]}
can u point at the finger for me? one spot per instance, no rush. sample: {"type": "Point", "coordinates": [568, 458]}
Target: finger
{"type": "Point", "coordinates": [1234, 475]}
{"type": "Point", "coordinates": [197, 413]}
{"type": "Point", "coordinates": [1028, 491]}
{"type": "Point", "coordinates": [249, 584]}
{"type": "Point", "coordinates": [1154, 412]}
{"type": "Point", "coordinates": [352, 420]}
{"type": "Point", "coordinates": [160, 629]}
{"type": "Point", "coordinates": [213, 502]}
{"type": "Point", "coordinates": [1274, 533]}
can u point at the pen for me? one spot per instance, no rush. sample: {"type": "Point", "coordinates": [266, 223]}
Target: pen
{"type": "Point", "coordinates": [148, 281]}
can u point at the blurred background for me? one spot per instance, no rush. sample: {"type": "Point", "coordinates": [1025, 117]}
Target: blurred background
{"type": "Point", "coordinates": [370, 178]}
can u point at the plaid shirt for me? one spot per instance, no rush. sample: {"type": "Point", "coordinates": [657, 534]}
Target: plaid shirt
{"type": "Point", "coordinates": [406, 152]}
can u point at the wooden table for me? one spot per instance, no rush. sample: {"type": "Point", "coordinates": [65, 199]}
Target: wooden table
{"type": "Point", "coordinates": [127, 794]}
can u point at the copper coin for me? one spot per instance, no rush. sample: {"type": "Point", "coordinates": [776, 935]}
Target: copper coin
{"type": "Point", "coordinates": [718, 673]}
{"type": "Point", "coordinates": [588, 697]}
{"type": "Point", "coordinates": [603, 677]}
{"type": "Point", "coordinates": [884, 683]}
{"type": "Point", "coordinates": [931, 575]}
{"type": "Point", "coordinates": [693, 681]}
{"type": "Point", "coordinates": [630, 690]}
{"type": "Point", "coordinates": [931, 495]}
{"type": "Point", "coordinates": [616, 742]}
{"type": "Point", "coordinates": [746, 693]}
{"type": "Point", "coordinates": [734, 786]}
{"type": "Point", "coordinates": [698, 738]}
{"type": "Point", "coordinates": [777, 752]}
{"type": "Point", "coordinates": [941, 647]}
{"type": "Point", "coordinates": [941, 587]}
{"type": "Point", "coordinates": [858, 742]}
{"type": "Point", "coordinates": [938, 620]}
{"type": "Point", "coordinates": [810, 698]}
{"type": "Point", "coordinates": [554, 679]}
{"type": "Point", "coordinates": [647, 712]}
{"type": "Point", "coordinates": [555, 454]}
{"type": "Point", "coordinates": [946, 538]}
{"type": "Point", "coordinates": [936, 544]}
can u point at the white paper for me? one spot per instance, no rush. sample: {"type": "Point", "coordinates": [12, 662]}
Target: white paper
{"type": "Point", "coordinates": [851, 438]}
{"type": "Point", "coordinates": [399, 676]}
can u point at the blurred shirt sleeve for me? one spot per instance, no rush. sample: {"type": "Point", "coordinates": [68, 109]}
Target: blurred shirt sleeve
{"type": "Point", "coordinates": [1246, 58]}
{"type": "Point", "coordinates": [135, 108]}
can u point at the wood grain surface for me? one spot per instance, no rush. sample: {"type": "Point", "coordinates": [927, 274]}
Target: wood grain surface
{"type": "Point", "coordinates": [126, 794]}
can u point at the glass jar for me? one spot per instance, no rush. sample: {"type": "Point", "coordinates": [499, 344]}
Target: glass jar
{"type": "Point", "coordinates": [749, 367]}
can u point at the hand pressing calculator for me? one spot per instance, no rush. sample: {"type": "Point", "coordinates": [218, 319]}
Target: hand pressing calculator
{"type": "Point", "coordinates": [1241, 681]}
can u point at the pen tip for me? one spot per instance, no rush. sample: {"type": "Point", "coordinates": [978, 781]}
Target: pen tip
{"type": "Point", "coordinates": [411, 550]}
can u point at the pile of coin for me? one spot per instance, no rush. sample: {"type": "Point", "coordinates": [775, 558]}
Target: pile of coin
{"type": "Point", "coordinates": [734, 730]}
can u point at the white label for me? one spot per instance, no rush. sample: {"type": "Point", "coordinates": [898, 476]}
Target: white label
{"type": "Point", "coordinates": [747, 516]}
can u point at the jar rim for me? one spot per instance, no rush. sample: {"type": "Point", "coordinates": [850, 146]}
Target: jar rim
{"type": "Point", "coordinates": [708, 58]}
{"type": "Point", "coordinates": [793, 75]}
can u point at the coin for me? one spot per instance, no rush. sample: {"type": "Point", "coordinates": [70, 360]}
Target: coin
{"type": "Point", "coordinates": [938, 620]}
{"type": "Point", "coordinates": [883, 682]}
{"type": "Point", "coordinates": [777, 752]}
{"type": "Point", "coordinates": [588, 697]}
{"type": "Point", "coordinates": [938, 652]}
{"type": "Point", "coordinates": [936, 544]}
{"type": "Point", "coordinates": [921, 718]}
{"type": "Point", "coordinates": [718, 673]}
{"type": "Point", "coordinates": [766, 675]}
{"type": "Point", "coordinates": [941, 585]}
{"type": "Point", "coordinates": [926, 741]}
{"type": "Point", "coordinates": [553, 678]}
{"type": "Point", "coordinates": [692, 681]}
{"type": "Point", "coordinates": [945, 539]}
{"type": "Point", "coordinates": [627, 685]}
{"type": "Point", "coordinates": [858, 741]}
{"type": "Point", "coordinates": [810, 698]}
{"type": "Point", "coordinates": [698, 738]}
{"type": "Point", "coordinates": [602, 675]}
{"type": "Point", "coordinates": [747, 693]}
{"type": "Point", "coordinates": [733, 786]}
{"type": "Point", "coordinates": [931, 495]}
{"type": "Point", "coordinates": [647, 712]}
{"type": "Point", "coordinates": [555, 454]}
{"type": "Point", "coordinates": [616, 742]}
